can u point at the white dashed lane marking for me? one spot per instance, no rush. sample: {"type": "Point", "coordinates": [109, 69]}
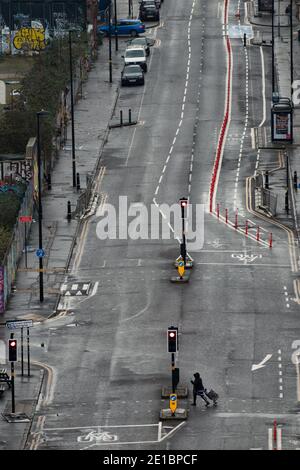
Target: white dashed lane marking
{"type": "Point", "coordinates": [183, 108]}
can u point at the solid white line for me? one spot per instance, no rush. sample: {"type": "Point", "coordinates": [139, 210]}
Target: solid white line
{"type": "Point", "coordinates": [263, 87]}
{"type": "Point", "coordinates": [270, 439]}
{"type": "Point", "coordinates": [95, 288]}
{"type": "Point", "coordinates": [279, 438]}
{"type": "Point", "coordinates": [159, 431]}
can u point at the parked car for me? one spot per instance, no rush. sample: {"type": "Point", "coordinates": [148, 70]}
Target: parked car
{"type": "Point", "coordinates": [141, 41]}
{"type": "Point", "coordinates": [132, 75]}
{"type": "Point", "coordinates": [150, 2]}
{"type": "Point", "coordinates": [124, 27]}
{"type": "Point", "coordinates": [149, 13]}
{"type": "Point", "coordinates": [136, 55]}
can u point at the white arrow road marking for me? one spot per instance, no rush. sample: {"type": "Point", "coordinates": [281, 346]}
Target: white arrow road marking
{"type": "Point", "coordinates": [261, 364]}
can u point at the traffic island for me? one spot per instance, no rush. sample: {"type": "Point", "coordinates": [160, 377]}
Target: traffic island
{"type": "Point", "coordinates": [167, 414]}
{"type": "Point", "coordinates": [188, 264]}
{"type": "Point", "coordinates": [181, 391]}
{"type": "Point", "coordinates": [173, 412]}
{"type": "Point", "coordinates": [181, 279]}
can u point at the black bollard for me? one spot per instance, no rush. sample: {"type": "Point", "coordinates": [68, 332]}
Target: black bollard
{"type": "Point", "coordinates": [49, 181]}
{"type": "Point", "coordinates": [267, 180]}
{"type": "Point", "coordinates": [295, 180]}
{"type": "Point", "coordinates": [69, 211]}
{"type": "Point", "coordinates": [129, 116]}
{"type": "Point", "coordinates": [77, 181]}
{"type": "Point", "coordinates": [121, 117]}
{"type": "Point", "coordinates": [287, 202]}
{"type": "Point", "coordinates": [245, 39]}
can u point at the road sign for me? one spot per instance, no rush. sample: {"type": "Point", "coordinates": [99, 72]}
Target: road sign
{"type": "Point", "coordinates": [173, 402]}
{"type": "Point", "coordinates": [17, 324]}
{"type": "Point", "coordinates": [181, 268]}
{"type": "Point", "coordinates": [25, 218]}
{"type": "Point", "coordinates": [40, 253]}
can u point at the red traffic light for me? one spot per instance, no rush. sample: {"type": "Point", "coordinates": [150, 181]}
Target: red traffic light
{"type": "Point", "coordinates": [12, 350]}
{"type": "Point", "coordinates": [172, 339]}
{"type": "Point", "coordinates": [183, 202]}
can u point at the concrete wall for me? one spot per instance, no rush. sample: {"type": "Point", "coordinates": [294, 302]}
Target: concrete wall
{"type": "Point", "coordinates": [2, 93]}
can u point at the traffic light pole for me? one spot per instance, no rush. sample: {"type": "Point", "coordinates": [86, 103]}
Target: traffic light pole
{"type": "Point", "coordinates": [183, 250]}
{"type": "Point", "coordinates": [28, 353]}
{"type": "Point", "coordinates": [12, 379]}
{"type": "Point", "coordinates": [109, 42]}
{"type": "Point", "coordinates": [12, 382]}
{"type": "Point", "coordinates": [173, 375]}
{"type": "Point", "coordinates": [22, 355]}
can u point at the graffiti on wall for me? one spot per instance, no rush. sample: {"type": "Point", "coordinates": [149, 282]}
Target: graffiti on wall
{"type": "Point", "coordinates": [62, 25]}
{"type": "Point", "coordinates": [29, 38]}
{"type": "Point", "coordinates": [2, 304]}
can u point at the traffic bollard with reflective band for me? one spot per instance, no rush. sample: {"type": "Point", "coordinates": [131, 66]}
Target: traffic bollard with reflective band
{"type": "Point", "coordinates": [77, 181]}
{"type": "Point", "coordinates": [287, 201]}
{"type": "Point", "coordinates": [173, 403]}
{"type": "Point", "coordinates": [257, 234]}
{"type": "Point", "coordinates": [267, 180]}
{"type": "Point", "coordinates": [69, 211]}
{"type": "Point", "coordinates": [270, 240]}
{"type": "Point", "coordinates": [246, 227]}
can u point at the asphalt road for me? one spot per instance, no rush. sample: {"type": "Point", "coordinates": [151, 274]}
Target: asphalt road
{"type": "Point", "coordinates": [108, 353]}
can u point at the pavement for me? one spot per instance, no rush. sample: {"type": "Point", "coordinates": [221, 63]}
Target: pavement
{"type": "Point", "coordinates": [282, 55]}
{"type": "Point", "coordinates": [93, 113]}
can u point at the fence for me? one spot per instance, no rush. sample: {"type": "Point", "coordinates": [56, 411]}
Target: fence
{"type": "Point", "coordinates": [9, 266]}
{"type": "Point", "coordinates": [264, 198]}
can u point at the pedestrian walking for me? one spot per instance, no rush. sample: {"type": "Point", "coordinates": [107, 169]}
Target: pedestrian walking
{"type": "Point", "coordinates": [198, 389]}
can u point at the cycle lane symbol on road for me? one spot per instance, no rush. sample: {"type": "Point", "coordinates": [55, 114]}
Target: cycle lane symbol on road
{"type": "Point", "coordinates": [245, 258]}
{"type": "Point", "coordinates": [95, 437]}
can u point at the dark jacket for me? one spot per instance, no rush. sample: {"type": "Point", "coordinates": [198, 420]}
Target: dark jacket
{"type": "Point", "coordinates": [197, 383]}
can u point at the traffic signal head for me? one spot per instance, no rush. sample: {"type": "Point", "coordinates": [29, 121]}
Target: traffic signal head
{"type": "Point", "coordinates": [183, 202]}
{"type": "Point", "coordinates": [12, 350]}
{"type": "Point", "coordinates": [172, 339]}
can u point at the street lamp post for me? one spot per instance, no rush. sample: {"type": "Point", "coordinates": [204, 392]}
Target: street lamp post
{"type": "Point", "coordinates": [40, 212]}
{"type": "Point", "coordinates": [273, 61]}
{"type": "Point", "coordinates": [291, 40]}
{"type": "Point", "coordinates": [116, 33]}
{"type": "Point", "coordinates": [109, 42]}
{"type": "Point", "coordinates": [72, 111]}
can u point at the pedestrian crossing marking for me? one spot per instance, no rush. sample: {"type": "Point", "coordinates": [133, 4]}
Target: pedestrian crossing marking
{"type": "Point", "coordinates": [75, 288]}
